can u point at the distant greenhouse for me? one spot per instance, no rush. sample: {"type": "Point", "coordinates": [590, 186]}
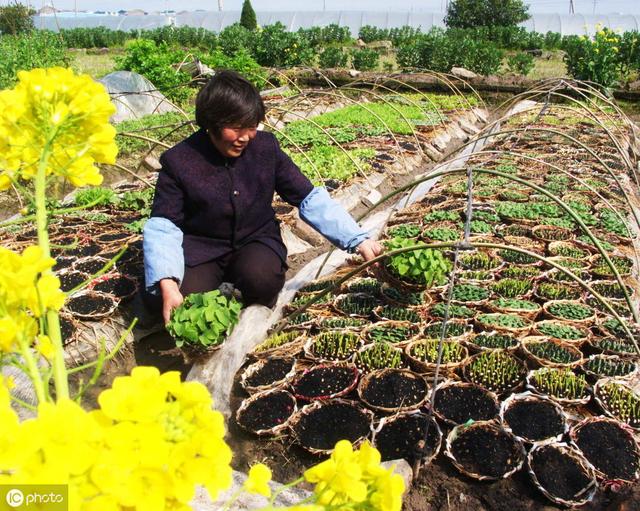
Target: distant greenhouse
{"type": "Point", "coordinates": [565, 24]}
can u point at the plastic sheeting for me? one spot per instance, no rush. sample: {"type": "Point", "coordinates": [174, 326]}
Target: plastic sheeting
{"type": "Point", "coordinates": [565, 24]}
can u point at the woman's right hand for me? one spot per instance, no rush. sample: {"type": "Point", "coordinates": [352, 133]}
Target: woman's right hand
{"type": "Point", "coordinates": [171, 297]}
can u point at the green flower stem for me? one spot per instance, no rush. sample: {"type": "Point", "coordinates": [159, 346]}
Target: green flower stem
{"type": "Point", "coordinates": [32, 367]}
{"type": "Point", "coordinates": [53, 320]}
{"type": "Point", "coordinates": [284, 487]}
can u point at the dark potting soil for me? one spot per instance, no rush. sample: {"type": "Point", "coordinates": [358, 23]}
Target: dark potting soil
{"type": "Point", "coordinates": [63, 262]}
{"type": "Point", "coordinates": [558, 473]}
{"type": "Point", "coordinates": [71, 279]}
{"type": "Point", "coordinates": [486, 451]}
{"type": "Point", "coordinates": [461, 403]}
{"type": "Point", "coordinates": [394, 389]}
{"type": "Point", "coordinates": [324, 381]}
{"type": "Point", "coordinates": [90, 266]}
{"type": "Point", "coordinates": [402, 437]}
{"type": "Point", "coordinates": [331, 422]}
{"type": "Point", "coordinates": [534, 420]}
{"type": "Point", "coordinates": [117, 286]}
{"type": "Point", "coordinates": [113, 236]}
{"type": "Point", "coordinates": [268, 411]}
{"type": "Point", "coordinates": [610, 449]}
{"type": "Point", "coordinates": [273, 370]}
{"type": "Point", "coordinates": [89, 304]}
{"type": "Point", "coordinates": [67, 329]}
{"type": "Point", "coordinates": [83, 251]}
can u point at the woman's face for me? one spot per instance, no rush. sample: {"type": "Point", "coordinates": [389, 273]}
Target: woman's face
{"type": "Point", "coordinates": [233, 140]}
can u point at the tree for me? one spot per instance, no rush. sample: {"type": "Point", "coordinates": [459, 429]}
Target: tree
{"type": "Point", "coordinates": [248, 16]}
{"type": "Point", "coordinates": [485, 13]}
{"type": "Point", "coordinates": [16, 18]}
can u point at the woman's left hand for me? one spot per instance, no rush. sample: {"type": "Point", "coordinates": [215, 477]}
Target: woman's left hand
{"type": "Point", "coordinates": [369, 249]}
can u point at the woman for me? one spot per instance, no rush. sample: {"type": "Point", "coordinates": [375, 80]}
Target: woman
{"type": "Point", "coordinates": [212, 219]}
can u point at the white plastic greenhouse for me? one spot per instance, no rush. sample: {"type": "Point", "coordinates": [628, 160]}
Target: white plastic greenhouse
{"type": "Point", "coordinates": [565, 24]}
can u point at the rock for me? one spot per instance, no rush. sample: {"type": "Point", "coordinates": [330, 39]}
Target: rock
{"type": "Point", "coordinates": [361, 43]}
{"type": "Point", "coordinates": [152, 163]}
{"type": "Point", "coordinates": [634, 85]}
{"type": "Point", "coordinates": [380, 45]}
{"type": "Point", "coordinates": [461, 72]}
{"type": "Point", "coordinates": [373, 197]}
{"type": "Point", "coordinates": [404, 469]}
{"type": "Point", "coordinates": [134, 96]}
{"type": "Point", "coordinates": [353, 73]}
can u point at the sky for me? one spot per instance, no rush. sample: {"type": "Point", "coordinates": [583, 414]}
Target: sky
{"type": "Point", "coordinates": [537, 6]}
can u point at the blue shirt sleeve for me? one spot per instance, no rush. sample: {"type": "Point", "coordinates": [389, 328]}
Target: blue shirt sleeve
{"type": "Point", "coordinates": [330, 219]}
{"type": "Point", "coordinates": [163, 255]}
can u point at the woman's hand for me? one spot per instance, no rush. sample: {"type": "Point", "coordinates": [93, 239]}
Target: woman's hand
{"type": "Point", "coordinates": [171, 297]}
{"type": "Point", "coordinates": [369, 249]}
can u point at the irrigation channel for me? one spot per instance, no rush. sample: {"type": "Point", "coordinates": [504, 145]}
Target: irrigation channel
{"type": "Point", "coordinates": [505, 370]}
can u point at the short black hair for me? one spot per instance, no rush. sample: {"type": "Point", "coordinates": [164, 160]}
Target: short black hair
{"type": "Point", "coordinates": [228, 99]}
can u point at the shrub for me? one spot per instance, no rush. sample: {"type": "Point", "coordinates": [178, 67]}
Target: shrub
{"type": "Point", "coordinates": [188, 37]}
{"type": "Point", "coordinates": [334, 33]}
{"type": "Point", "coordinates": [369, 33]}
{"type": "Point", "coordinates": [520, 63]}
{"type": "Point", "coordinates": [365, 59]}
{"type": "Point", "coordinates": [242, 62]}
{"type": "Point", "coordinates": [333, 57]}
{"type": "Point", "coordinates": [248, 16]}
{"type": "Point", "coordinates": [23, 52]}
{"type": "Point", "coordinates": [485, 13]}
{"type": "Point", "coordinates": [154, 62]}
{"type": "Point", "coordinates": [275, 47]}
{"type": "Point", "coordinates": [234, 37]}
{"type": "Point", "coordinates": [96, 37]}
{"type": "Point", "coordinates": [16, 19]}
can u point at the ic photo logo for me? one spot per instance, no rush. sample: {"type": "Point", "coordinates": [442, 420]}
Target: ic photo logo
{"type": "Point", "coordinates": [15, 498]}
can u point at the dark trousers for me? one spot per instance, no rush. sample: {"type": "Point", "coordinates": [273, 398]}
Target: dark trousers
{"type": "Point", "coordinates": [255, 270]}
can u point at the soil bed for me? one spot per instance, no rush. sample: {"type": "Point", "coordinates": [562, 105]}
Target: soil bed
{"type": "Point", "coordinates": [393, 389]}
{"type": "Point", "coordinates": [119, 286]}
{"type": "Point", "coordinates": [459, 403]}
{"type": "Point", "coordinates": [400, 438]}
{"type": "Point", "coordinates": [559, 474]}
{"type": "Point", "coordinates": [273, 370]}
{"type": "Point", "coordinates": [90, 266]}
{"type": "Point", "coordinates": [267, 411]}
{"type": "Point", "coordinates": [610, 449]}
{"type": "Point", "coordinates": [324, 381]}
{"type": "Point", "coordinates": [87, 305]}
{"type": "Point", "coordinates": [534, 420]}
{"type": "Point", "coordinates": [71, 279]}
{"type": "Point", "coordinates": [331, 422]}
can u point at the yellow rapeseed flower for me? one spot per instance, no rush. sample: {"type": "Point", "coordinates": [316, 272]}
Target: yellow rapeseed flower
{"type": "Point", "coordinates": [258, 480]}
{"type": "Point", "coordinates": [56, 111]}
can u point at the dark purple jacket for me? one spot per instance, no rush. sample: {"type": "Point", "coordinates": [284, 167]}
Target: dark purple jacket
{"type": "Point", "coordinates": [221, 204]}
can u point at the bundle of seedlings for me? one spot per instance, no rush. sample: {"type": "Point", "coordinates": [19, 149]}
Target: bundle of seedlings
{"type": "Point", "coordinates": [325, 381]}
{"type": "Point", "coordinates": [573, 249]}
{"type": "Point", "coordinates": [121, 286]}
{"type": "Point", "coordinates": [267, 373]}
{"type": "Point", "coordinates": [444, 232]}
{"type": "Point", "coordinates": [525, 308]}
{"type": "Point", "coordinates": [406, 230]}
{"type": "Point", "coordinates": [468, 294]}
{"type": "Point", "coordinates": [460, 402]}
{"type": "Point", "coordinates": [476, 277]}
{"type": "Point", "coordinates": [612, 346]}
{"type": "Point", "coordinates": [454, 311]}
{"type": "Point", "coordinates": [533, 418]}
{"type": "Point", "coordinates": [479, 261]}
{"type": "Point", "coordinates": [332, 345]}
{"type": "Point", "coordinates": [454, 329]}
{"type": "Point", "coordinates": [611, 289]}
{"type": "Point", "coordinates": [91, 305]}
{"type": "Point", "coordinates": [552, 233]}
{"type": "Point", "coordinates": [203, 321]}
{"type": "Point", "coordinates": [546, 352]}
{"type": "Point", "coordinates": [362, 285]}
{"type": "Point", "coordinates": [318, 426]}
{"type": "Point", "coordinates": [601, 269]}
{"type": "Point", "coordinates": [495, 370]}
{"type": "Point", "coordinates": [562, 331]}
{"type": "Point", "coordinates": [612, 326]}
{"type": "Point", "coordinates": [357, 305]}
{"type": "Point", "coordinates": [266, 413]}
{"type": "Point", "coordinates": [513, 271]}
{"type": "Point", "coordinates": [315, 302]}
{"type": "Point", "coordinates": [510, 323]}
{"type": "Point", "coordinates": [403, 298]}
{"type": "Point", "coordinates": [341, 323]}
{"type": "Point", "coordinates": [378, 355]}
{"type": "Point", "coordinates": [393, 332]}
{"type": "Point", "coordinates": [609, 366]}
{"type": "Point", "coordinates": [288, 343]}
{"type": "Point", "coordinates": [393, 390]}
{"type": "Point", "coordinates": [513, 288]}
{"type": "Point", "coordinates": [560, 384]}
{"type": "Point", "coordinates": [484, 450]}
{"type": "Point", "coordinates": [562, 474]}
{"type": "Point", "coordinates": [423, 355]}
{"type": "Point", "coordinates": [569, 310]}
{"type": "Point", "coordinates": [515, 257]}
{"type": "Point", "coordinates": [403, 436]}
{"type": "Point", "coordinates": [487, 341]}
{"type": "Point", "coordinates": [610, 447]}
{"type": "Point", "coordinates": [393, 313]}
{"type": "Point", "coordinates": [618, 400]}
{"type": "Point", "coordinates": [548, 290]}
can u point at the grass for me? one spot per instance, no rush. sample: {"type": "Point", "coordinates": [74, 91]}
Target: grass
{"type": "Point", "coordinates": [551, 67]}
{"type": "Point", "coordinates": [95, 65]}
